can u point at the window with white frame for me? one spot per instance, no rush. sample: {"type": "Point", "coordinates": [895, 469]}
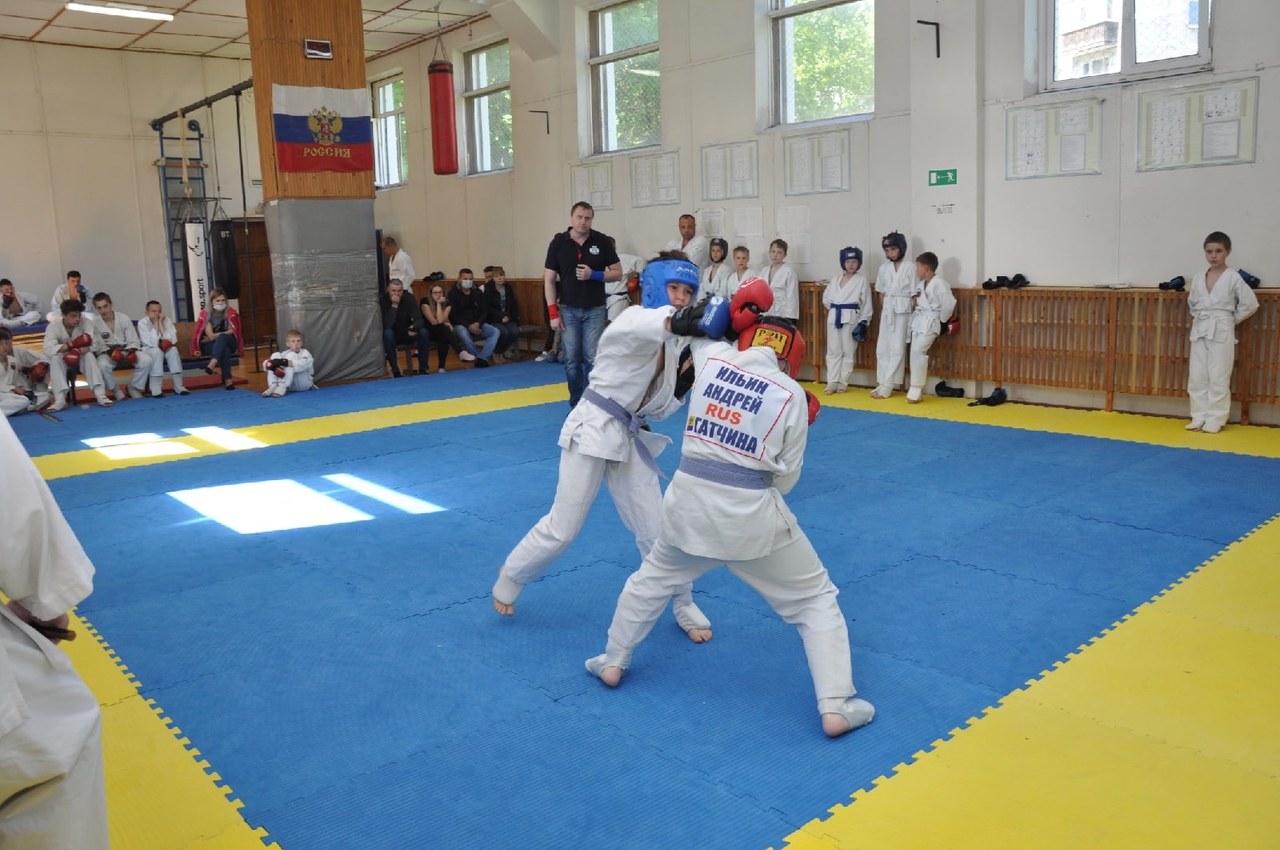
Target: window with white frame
{"type": "Point", "coordinates": [626, 82]}
{"type": "Point", "coordinates": [824, 59]}
{"type": "Point", "coordinates": [1102, 41]}
{"type": "Point", "coordinates": [487, 96]}
{"type": "Point", "coordinates": [390, 153]}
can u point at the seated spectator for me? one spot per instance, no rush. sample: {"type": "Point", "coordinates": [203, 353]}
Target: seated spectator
{"type": "Point", "coordinates": [470, 316]}
{"type": "Point", "coordinates": [17, 308]}
{"type": "Point", "coordinates": [116, 345]}
{"type": "Point", "coordinates": [290, 369]}
{"type": "Point", "coordinates": [159, 339]}
{"type": "Point", "coordinates": [73, 288]}
{"type": "Point", "coordinates": [217, 335]}
{"type": "Point", "coordinates": [504, 313]}
{"type": "Point", "coordinates": [68, 347]}
{"type": "Point", "coordinates": [436, 313]}
{"type": "Point", "coordinates": [24, 378]}
{"type": "Point", "coordinates": [401, 326]}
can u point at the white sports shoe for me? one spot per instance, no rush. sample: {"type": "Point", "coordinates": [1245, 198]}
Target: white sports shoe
{"type": "Point", "coordinates": [104, 399]}
{"type": "Point", "coordinates": [466, 356]}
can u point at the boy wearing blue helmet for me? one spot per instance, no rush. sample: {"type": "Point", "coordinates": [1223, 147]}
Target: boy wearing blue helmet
{"type": "Point", "coordinates": [847, 298]}
{"type": "Point", "coordinates": [896, 282]}
{"type": "Point", "coordinates": [603, 439]}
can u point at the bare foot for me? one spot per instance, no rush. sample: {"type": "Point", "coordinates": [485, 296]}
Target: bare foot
{"type": "Point", "coordinates": [876, 394]}
{"type": "Point", "coordinates": [503, 608]}
{"type": "Point", "coordinates": [834, 725]}
{"type": "Point", "coordinates": [611, 676]}
{"type": "Point", "coordinates": [699, 635]}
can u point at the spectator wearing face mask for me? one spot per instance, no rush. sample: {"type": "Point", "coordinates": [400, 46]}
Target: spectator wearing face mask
{"type": "Point", "coordinates": [470, 315]}
{"type": "Point", "coordinates": [217, 336]}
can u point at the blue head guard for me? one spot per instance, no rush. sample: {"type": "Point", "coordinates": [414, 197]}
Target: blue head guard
{"type": "Point", "coordinates": [656, 276]}
{"type": "Point", "coordinates": [846, 253]}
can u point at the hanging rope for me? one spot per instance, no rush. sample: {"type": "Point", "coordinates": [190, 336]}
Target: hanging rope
{"type": "Point", "coordinates": [439, 48]}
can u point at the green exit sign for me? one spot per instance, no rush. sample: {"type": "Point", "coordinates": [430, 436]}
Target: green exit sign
{"type": "Point", "coordinates": [943, 177]}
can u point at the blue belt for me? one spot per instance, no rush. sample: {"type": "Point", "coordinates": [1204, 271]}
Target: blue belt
{"type": "Point", "coordinates": [631, 420]}
{"type": "Point", "coordinates": [839, 308]}
{"type": "Point", "coordinates": [726, 473]}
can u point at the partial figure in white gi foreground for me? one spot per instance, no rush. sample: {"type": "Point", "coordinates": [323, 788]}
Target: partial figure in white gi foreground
{"type": "Point", "coordinates": [52, 789]}
{"type": "Point", "coordinates": [743, 449]}
{"type": "Point", "coordinates": [635, 377]}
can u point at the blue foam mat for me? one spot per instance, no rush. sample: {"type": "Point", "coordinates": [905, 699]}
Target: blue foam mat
{"type": "Point", "coordinates": [353, 684]}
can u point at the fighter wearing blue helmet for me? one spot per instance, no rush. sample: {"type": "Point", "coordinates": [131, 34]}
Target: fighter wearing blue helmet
{"type": "Point", "coordinates": [847, 298]}
{"type": "Point", "coordinates": [604, 438]}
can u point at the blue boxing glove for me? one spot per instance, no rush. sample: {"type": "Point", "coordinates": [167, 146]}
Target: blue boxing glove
{"type": "Point", "coordinates": [708, 318]}
{"type": "Point", "coordinates": [860, 331]}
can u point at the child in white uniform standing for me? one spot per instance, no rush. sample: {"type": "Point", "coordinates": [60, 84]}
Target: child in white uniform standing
{"type": "Point", "coordinates": [847, 298]}
{"type": "Point", "coordinates": [1219, 300]}
{"type": "Point", "coordinates": [715, 277]}
{"type": "Point", "coordinates": [783, 281]}
{"type": "Point", "coordinates": [289, 370]}
{"type": "Point", "coordinates": [934, 305]}
{"type": "Point", "coordinates": [896, 283]}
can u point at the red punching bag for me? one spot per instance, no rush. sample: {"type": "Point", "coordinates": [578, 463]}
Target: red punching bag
{"type": "Point", "coordinates": [444, 126]}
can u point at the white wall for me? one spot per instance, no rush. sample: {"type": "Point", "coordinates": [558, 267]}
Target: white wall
{"type": "Point", "coordinates": [77, 163]}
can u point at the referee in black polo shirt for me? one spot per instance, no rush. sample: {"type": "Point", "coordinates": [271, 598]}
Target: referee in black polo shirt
{"type": "Point", "coordinates": [579, 262]}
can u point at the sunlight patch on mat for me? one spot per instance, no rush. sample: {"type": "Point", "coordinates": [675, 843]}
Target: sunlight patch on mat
{"type": "Point", "coordinates": [224, 438]}
{"type": "Point", "coordinates": [386, 495]}
{"type": "Point", "coordinates": [268, 506]}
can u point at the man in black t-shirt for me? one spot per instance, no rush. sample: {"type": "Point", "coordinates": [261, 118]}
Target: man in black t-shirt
{"type": "Point", "coordinates": [579, 262]}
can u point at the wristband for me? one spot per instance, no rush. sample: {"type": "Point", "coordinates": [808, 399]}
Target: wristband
{"type": "Point", "coordinates": [595, 275]}
{"type": "Point", "coordinates": [554, 311]}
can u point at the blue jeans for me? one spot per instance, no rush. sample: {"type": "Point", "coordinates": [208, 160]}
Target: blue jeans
{"type": "Point", "coordinates": [222, 348]}
{"type": "Point", "coordinates": [490, 340]}
{"type": "Point", "coordinates": [578, 341]}
{"type": "Point", "coordinates": [390, 341]}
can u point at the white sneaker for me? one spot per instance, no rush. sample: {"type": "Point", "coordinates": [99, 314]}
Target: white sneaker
{"type": "Point", "coordinates": [281, 389]}
{"type": "Point", "coordinates": [120, 396]}
{"type": "Point", "coordinates": [441, 370]}
{"type": "Point", "coordinates": [104, 399]}
{"type": "Point", "coordinates": [134, 392]}
{"type": "Point", "coordinates": [269, 392]}
{"type": "Point", "coordinates": [542, 358]}
{"type": "Point", "coordinates": [1211, 428]}
{"type": "Point", "coordinates": [1194, 425]}
{"type": "Point", "coordinates": [466, 356]}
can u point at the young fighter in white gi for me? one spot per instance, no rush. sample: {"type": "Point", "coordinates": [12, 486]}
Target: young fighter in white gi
{"type": "Point", "coordinates": [934, 305]}
{"type": "Point", "coordinates": [115, 344]}
{"type": "Point", "coordinates": [742, 452]}
{"type": "Point", "coordinates": [847, 298]}
{"type": "Point", "coordinates": [290, 370]}
{"type": "Point", "coordinates": [740, 273]}
{"type": "Point", "coordinates": [52, 791]}
{"type": "Point", "coordinates": [634, 378]}
{"type": "Point", "coordinates": [159, 340]}
{"type": "Point", "coordinates": [66, 345]}
{"type": "Point", "coordinates": [73, 288]}
{"type": "Point", "coordinates": [23, 378]}
{"type": "Point", "coordinates": [715, 277]}
{"type": "Point", "coordinates": [1219, 300]}
{"type": "Point", "coordinates": [17, 308]}
{"type": "Point", "coordinates": [783, 281]}
{"type": "Point", "coordinates": [896, 283]}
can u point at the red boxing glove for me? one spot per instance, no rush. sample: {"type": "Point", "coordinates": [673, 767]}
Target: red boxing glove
{"type": "Point", "coordinates": [130, 358]}
{"type": "Point", "coordinates": [72, 357]}
{"type": "Point", "coordinates": [81, 341]}
{"type": "Point", "coordinates": [814, 406]}
{"type": "Point", "coordinates": [279, 371]}
{"type": "Point", "coordinates": [266, 365]}
{"type": "Point", "coordinates": [165, 345]}
{"type": "Point", "coordinates": [117, 354]}
{"type": "Point", "coordinates": [39, 372]}
{"type": "Point", "coordinates": [752, 300]}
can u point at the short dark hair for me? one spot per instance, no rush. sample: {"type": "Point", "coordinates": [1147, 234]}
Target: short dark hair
{"type": "Point", "coordinates": [465, 270]}
{"type": "Point", "coordinates": [71, 305]}
{"type": "Point", "coordinates": [5, 281]}
{"type": "Point", "coordinates": [781, 243]}
{"type": "Point", "coordinates": [149, 303]}
{"type": "Point", "coordinates": [5, 333]}
{"type": "Point", "coordinates": [387, 240]}
{"type": "Point", "coordinates": [1219, 238]}
{"type": "Point", "coordinates": [72, 273]}
{"type": "Point", "coordinates": [102, 296]}
{"type": "Point", "coordinates": [488, 269]}
{"type": "Point", "coordinates": [688, 216]}
{"type": "Point", "coordinates": [584, 205]}
{"type": "Point", "coordinates": [929, 259]}
{"type": "Point", "coordinates": [498, 270]}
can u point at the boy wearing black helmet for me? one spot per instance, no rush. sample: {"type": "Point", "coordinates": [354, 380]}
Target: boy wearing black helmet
{"type": "Point", "coordinates": [896, 282]}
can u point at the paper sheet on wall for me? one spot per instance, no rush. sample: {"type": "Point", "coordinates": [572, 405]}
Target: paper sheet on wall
{"type": "Point", "coordinates": [1029, 144]}
{"type": "Point", "coordinates": [748, 221]}
{"type": "Point", "coordinates": [1169, 132]}
{"type": "Point", "coordinates": [711, 222]}
{"type": "Point", "coordinates": [715, 183]}
{"type": "Point", "coordinates": [1220, 140]}
{"type": "Point", "coordinates": [1071, 153]}
{"type": "Point", "coordinates": [793, 221]}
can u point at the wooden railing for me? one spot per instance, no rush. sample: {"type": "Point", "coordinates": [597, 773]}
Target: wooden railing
{"type": "Point", "coordinates": [1129, 341]}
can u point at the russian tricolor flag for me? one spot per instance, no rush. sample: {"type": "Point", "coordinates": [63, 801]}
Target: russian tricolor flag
{"type": "Point", "coordinates": [320, 129]}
